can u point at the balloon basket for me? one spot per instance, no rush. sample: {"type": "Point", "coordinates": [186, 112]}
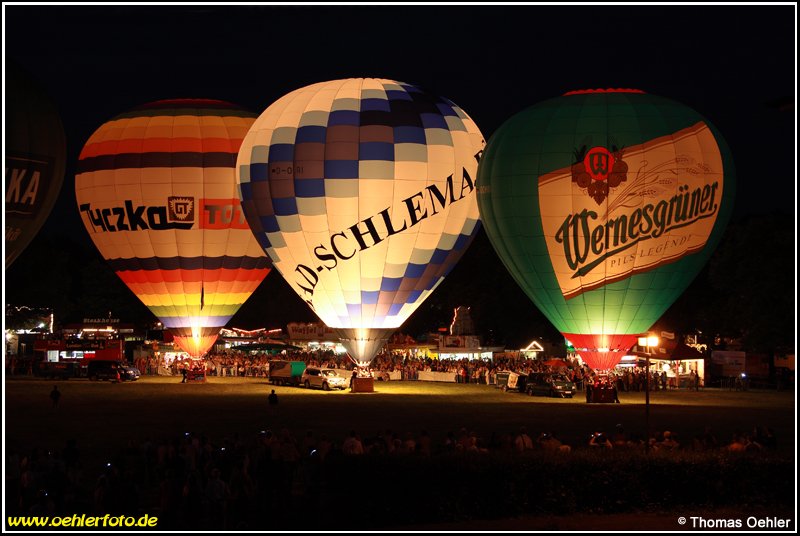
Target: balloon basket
{"type": "Point", "coordinates": [195, 377]}
{"type": "Point", "coordinates": [363, 385]}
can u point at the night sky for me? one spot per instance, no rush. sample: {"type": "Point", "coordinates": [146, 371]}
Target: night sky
{"type": "Point", "coordinates": [733, 64]}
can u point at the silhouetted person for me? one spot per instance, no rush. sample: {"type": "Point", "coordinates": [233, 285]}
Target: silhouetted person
{"type": "Point", "coordinates": [55, 395]}
{"type": "Point", "coordinates": [273, 402]}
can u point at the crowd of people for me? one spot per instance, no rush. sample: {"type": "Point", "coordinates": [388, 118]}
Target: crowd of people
{"type": "Point", "coordinates": [194, 482]}
{"type": "Point", "coordinates": [408, 365]}
{"type": "Point", "coordinates": [236, 363]}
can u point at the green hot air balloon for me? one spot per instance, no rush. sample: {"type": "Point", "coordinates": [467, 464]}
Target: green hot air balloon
{"type": "Point", "coordinates": [35, 153]}
{"type": "Point", "coordinates": [604, 205]}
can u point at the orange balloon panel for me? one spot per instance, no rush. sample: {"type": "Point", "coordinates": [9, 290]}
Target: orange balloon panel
{"type": "Point", "coordinates": [195, 344]}
{"type": "Point", "coordinates": [156, 191]}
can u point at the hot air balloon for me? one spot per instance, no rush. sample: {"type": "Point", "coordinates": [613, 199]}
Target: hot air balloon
{"type": "Point", "coordinates": [604, 205]}
{"type": "Point", "coordinates": [35, 152]}
{"type": "Point", "coordinates": [362, 192]}
{"type": "Point", "coordinates": [156, 191]}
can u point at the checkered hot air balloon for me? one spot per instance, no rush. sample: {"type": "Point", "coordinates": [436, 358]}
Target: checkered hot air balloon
{"type": "Point", "coordinates": [156, 192]}
{"type": "Point", "coordinates": [604, 205]}
{"type": "Point", "coordinates": [362, 192]}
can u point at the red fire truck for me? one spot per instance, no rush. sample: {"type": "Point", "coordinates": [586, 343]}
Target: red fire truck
{"type": "Point", "coordinates": [69, 357]}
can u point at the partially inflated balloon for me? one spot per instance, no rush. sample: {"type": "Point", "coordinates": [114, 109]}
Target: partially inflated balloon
{"type": "Point", "coordinates": [362, 192]}
{"type": "Point", "coordinates": [604, 205]}
{"type": "Point", "coordinates": [35, 152]}
{"type": "Point", "coordinates": [156, 191]}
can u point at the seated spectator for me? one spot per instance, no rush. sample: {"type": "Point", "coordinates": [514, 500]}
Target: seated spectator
{"type": "Point", "coordinates": [620, 438]}
{"type": "Point", "coordinates": [669, 443]}
{"type": "Point", "coordinates": [706, 441]}
{"type": "Point", "coordinates": [738, 443]}
{"type": "Point", "coordinates": [523, 441]}
{"type": "Point", "coordinates": [547, 441]}
{"type": "Point", "coordinates": [600, 440]}
{"type": "Point", "coordinates": [352, 446]}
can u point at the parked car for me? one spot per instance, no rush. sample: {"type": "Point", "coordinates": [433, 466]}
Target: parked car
{"type": "Point", "coordinates": [326, 379]}
{"type": "Point", "coordinates": [130, 374]}
{"type": "Point", "coordinates": [549, 384]}
{"type": "Point", "coordinates": [100, 369]}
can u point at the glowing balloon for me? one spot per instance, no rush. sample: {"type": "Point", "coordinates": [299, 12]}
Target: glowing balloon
{"type": "Point", "coordinates": [156, 191]}
{"type": "Point", "coordinates": [604, 205]}
{"type": "Point", "coordinates": [362, 192]}
{"type": "Point", "coordinates": [35, 152]}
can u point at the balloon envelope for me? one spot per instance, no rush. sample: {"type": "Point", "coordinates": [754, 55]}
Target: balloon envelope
{"type": "Point", "coordinates": [362, 193]}
{"type": "Point", "coordinates": [156, 192]}
{"type": "Point", "coordinates": [604, 205]}
{"type": "Point", "coordinates": [35, 153]}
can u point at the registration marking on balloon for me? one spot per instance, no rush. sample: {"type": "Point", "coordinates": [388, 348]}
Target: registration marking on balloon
{"type": "Point", "coordinates": [663, 210]}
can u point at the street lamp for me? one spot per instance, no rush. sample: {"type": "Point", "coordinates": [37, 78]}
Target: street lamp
{"type": "Point", "coordinates": [648, 341]}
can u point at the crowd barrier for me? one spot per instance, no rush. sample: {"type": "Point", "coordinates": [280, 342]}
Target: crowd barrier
{"type": "Point", "coordinates": [394, 375]}
{"type": "Point", "coordinates": [436, 376]}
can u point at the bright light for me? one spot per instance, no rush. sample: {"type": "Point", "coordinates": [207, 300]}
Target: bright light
{"type": "Point", "coordinates": [648, 341]}
{"type": "Point", "coordinates": [534, 346]}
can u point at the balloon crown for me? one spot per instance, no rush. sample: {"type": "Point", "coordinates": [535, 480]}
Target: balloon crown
{"type": "Point", "coordinates": [601, 90]}
{"type": "Point", "coordinates": [165, 103]}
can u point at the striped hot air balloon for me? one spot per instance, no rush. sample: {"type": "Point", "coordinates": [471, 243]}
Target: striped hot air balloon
{"type": "Point", "coordinates": [156, 191]}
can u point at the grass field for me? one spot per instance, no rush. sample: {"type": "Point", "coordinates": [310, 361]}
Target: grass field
{"type": "Point", "coordinates": [102, 415]}
{"type": "Point", "coordinates": [585, 490]}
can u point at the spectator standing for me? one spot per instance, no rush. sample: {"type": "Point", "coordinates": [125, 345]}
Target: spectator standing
{"type": "Point", "coordinates": [55, 395]}
{"type": "Point", "coordinates": [273, 403]}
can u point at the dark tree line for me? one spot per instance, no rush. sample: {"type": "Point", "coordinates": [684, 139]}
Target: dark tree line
{"type": "Point", "coordinates": [746, 291]}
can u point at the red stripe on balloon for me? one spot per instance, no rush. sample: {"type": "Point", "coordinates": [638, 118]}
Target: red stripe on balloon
{"type": "Point", "coordinates": [176, 276]}
{"type": "Point", "coordinates": [161, 145]}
